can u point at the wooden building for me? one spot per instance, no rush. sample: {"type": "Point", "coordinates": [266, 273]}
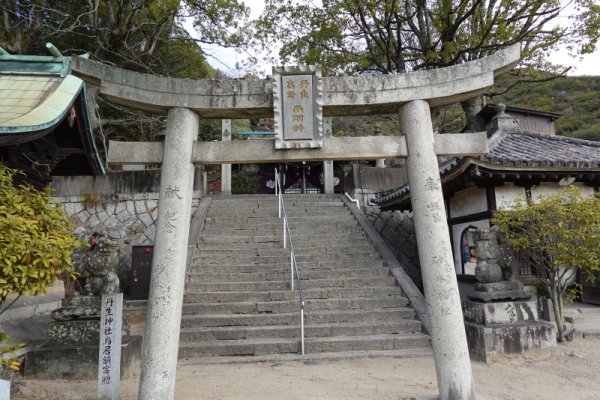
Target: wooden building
{"type": "Point", "coordinates": [526, 159]}
{"type": "Point", "coordinates": [44, 125]}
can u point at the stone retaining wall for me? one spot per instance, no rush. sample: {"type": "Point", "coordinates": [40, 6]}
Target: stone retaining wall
{"type": "Point", "coordinates": [397, 228]}
{"type": "Point", "coordinates": [135, 213]}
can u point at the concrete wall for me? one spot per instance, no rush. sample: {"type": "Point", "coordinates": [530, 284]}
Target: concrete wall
{"type": "Point", "coordinates": [117, 182]}
{"type": "Point", "coordinates": [15, 307]}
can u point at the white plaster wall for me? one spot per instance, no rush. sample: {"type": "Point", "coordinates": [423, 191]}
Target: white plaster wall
{"type": "Point", "coordinates": [507, 194]}
{"type": "Point", "coordinates": [551, 188]}
{"type": "Point", "coordinates": [456, 232]}
{"type": "Point", "coordinates": [469, 201]}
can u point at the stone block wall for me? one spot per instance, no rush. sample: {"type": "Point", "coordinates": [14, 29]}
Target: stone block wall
{"type": "Point", "coordinates": [127, 219]}
{"type": "Point", "coordinates": [135, 213]}
{"type": "Point", "coordinates": [397, 228]}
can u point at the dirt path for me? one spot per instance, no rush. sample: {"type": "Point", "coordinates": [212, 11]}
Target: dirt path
{"type": "Point", "coordinates": [568, 372]}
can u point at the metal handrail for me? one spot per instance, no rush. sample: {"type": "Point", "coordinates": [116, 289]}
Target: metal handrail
{"type": "Point", "coordinates": [287, 235]}
{"type": "Point", "coordinates": [353, 200]}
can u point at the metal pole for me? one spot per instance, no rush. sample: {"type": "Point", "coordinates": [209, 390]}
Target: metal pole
{"type": "Point", "coordinates": [292, 267]}
{"type": "Point", "coordinates": [302, 326]}
{"type": "Point", "coordinates": [284, 232]}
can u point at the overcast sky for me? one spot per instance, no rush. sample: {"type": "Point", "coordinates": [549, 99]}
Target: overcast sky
{"type": "Point", "coordinates": [226, 59]}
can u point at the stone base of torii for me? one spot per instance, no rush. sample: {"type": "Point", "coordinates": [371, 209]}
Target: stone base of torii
{"type": "Point", "coordinates": [410, 95]}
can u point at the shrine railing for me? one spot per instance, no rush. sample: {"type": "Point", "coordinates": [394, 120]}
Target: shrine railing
{"type": "Point", "coordinates": [287, 237]}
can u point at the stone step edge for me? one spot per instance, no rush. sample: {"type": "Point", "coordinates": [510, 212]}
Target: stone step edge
{"type": "Point", "coordinates": [305, 291]}
{"type": "Point", "coordinates": [397, 297]}
{"type": "Point", "coordinates": [400, 322]}
{"type": "Point", "coordinates": [307, 314]}
{"type": "Point", "coordinates": [419, 352]}
{"type": "Point", "coordinates": [308, 341]}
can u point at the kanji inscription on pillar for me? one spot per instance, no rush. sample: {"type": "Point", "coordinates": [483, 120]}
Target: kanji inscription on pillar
{"type": "Point", "coordinates": [109, 357]}
{"type": "Point", "coordinates": [297, 107]}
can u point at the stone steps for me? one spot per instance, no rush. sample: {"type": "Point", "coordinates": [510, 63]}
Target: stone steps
{"type": "Point", "coordinates": [310, 357]}
{"type": "Point", "coordinates": [287, 331]}
{"type": "Point", "coordinates": [225, 259]}
{"type": "Point", "coordinates": [281, 275]}
{"type": "Point", "coordinates": [279, 250]}
{"type": "Point", "coordinates": [238, 304]}
{"type": "Point", "coordinates": [285, 284]}
{"type": "Point", "coordinates": [276, 238]}
{"type": "Point", "coordinates": [264, 346]}
{"type": "Point", "coordinates": [288, 306]}
{"type": "Point", "coordinates": [278, 295]}
{"type": "Point", "coordinates": [302, 231]}
{"type": "Point", "coordinates": [293, 318]}
{"type": "Point", "coordinates": [302, 266]}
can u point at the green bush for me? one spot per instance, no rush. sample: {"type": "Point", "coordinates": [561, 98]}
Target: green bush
{"type": "Point", "coordinates": [36, 243]}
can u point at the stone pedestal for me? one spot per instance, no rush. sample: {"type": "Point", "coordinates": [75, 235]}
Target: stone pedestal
{"type": "Point", "coordinates": [72, 345]}
{"type": "Point", "coordinates": [505, 327]}
{"type": "Point", "coordinates": [77, 361]}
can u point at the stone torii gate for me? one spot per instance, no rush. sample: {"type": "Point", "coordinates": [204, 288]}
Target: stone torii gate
{"type": "Point", "coordinates": [410, 95]}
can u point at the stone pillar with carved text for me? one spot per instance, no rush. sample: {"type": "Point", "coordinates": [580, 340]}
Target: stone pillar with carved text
{"type": "Point", "coordinates": [226, 168]}
{"type": "Point", "coordinates": [451, 354]}
{"type": "Point", "coordinates": [328, 178]}
{"type": "Point", "coordinates": [161, 339]}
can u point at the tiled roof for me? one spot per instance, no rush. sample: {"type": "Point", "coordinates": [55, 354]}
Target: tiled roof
{"type": "Point", "coordinates": [532, 150]}
{"type": "Point", "coordinates": [523, 149]}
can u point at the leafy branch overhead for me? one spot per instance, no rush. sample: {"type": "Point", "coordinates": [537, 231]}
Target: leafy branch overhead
{"type": "Point", "coordinates": [388, 36]}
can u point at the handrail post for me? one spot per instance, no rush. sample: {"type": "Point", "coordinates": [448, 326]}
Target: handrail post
{"type": "Point", "coordinates": [284, 232]}
{"type": "Point", "coordinates": [293, 263]}
{"type": "Point", "coordinates": [292, 267]}
{"type": "Point", "coordinates": [302, 326]}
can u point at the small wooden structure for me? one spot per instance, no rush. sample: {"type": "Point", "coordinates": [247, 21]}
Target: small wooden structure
{"type": "Point", "coordinates": [44, 124]}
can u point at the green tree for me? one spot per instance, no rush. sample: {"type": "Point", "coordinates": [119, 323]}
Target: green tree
{"type": "Point", "coordinates": [390, 36]}
{"type": "Point", "coordinates": [559, 234]}
{"type": "Point", "coordinates": [36, 243]}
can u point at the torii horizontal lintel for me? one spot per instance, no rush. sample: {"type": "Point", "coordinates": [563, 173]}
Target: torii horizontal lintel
{"type": "Point", "coordinates": [334, 149]}
{"type": "Point", "coordinates": [343, 95]}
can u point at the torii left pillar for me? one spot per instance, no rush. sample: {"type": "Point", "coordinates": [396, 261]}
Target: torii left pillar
{"type": "Point", "coordinates": [161, 339]}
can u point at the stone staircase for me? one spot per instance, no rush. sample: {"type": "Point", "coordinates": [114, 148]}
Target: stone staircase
{"type": "Point", "coordinates": [585, 319]}
{"type": "Point", "coordinates": [238, 304]}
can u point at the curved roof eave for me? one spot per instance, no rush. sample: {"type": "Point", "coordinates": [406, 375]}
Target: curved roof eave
{"type": "Point", "coordinates": [49, 113]}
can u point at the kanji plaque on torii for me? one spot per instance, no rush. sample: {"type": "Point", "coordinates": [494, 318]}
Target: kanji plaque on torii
{"type": "Point", "coordinates": [297, 107]}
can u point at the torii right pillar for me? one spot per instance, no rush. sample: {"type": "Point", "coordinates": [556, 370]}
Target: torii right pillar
{"type": "Point", "coordinates": [449, 342]}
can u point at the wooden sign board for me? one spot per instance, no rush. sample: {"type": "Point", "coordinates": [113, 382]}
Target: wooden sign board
{"type": "Point", "coordinates": [297, 107]}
